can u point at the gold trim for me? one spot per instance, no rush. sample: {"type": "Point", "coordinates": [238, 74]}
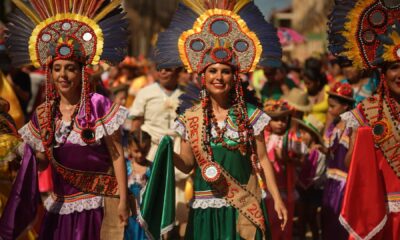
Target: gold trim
{"type": "Point", "coordinates": [71, 16]}
{"type": "Point", "coordinates": [28, 12]}
{"type": "Point", "coordinates": [197, 27]}
{"type": "Point", "coordinates": [106, 10]}
{"type": "Point", "coordinates": [389, 51]}
{"type": "Point", "coordinates": [351, 31]}
{"type": "Point", "coordinates": [196, 5]}
{"type": "Point", "coordinates": [240, 4]}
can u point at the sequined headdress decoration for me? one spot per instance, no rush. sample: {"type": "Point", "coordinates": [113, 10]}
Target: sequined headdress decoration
{"type": "Point", "coordinates": [87, 31]}
{"type": "Point", "coordinates": [203, 32]}
{"type": "Point", "coordinates": [365, 31]}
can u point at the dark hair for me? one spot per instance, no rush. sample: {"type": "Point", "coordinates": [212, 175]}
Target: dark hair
{"type": "Point", "coordinates": [250, 95]}
{"type": "Point", "coordinates": [343, 101]}
{"type": "Point", "coordinates": [313, 71]}
{"type": "Point", "coordinates": [141, 138]}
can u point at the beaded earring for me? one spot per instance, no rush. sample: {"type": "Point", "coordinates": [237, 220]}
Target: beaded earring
{"type": "Point", "coordinates": [88, 134]}
{"type": "Point", "coordinates": [47, 133]}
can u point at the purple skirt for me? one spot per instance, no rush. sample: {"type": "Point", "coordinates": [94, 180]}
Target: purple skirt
{"type": "Point", "coordinates": [83, 225]}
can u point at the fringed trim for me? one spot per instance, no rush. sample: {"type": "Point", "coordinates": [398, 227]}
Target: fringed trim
{"type": "Point", "coordinates": [80, 203]}
{"type": "Point", "coordinates": [370, 235]}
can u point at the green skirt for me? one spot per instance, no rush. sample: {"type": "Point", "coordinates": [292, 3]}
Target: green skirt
{"type": "Point", "coordinates": [217, 223]}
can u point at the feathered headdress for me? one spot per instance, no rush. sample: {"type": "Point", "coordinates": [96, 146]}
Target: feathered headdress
{"type": "Point", "coordinates": [82, 30]}
{"type": "Point", "coordinates": [203, 32]}
{"type": "Point", "coordinates": [365, 31]}
{"type": "Point", "coordinates": [86, 31]}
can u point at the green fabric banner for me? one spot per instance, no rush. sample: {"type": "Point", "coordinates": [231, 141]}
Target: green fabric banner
{"type": "Point", "coordinates": [157, 211]}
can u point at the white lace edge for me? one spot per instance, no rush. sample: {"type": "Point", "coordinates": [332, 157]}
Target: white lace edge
{"type": "Point", "coordinates": [62, 208]}
{"type": "Point", "coordinates": [30, 139]}
{"type": "Point", "coordinates": [208, 203]}
{"type": "Point", "coordinates": [370, 235]}
{"type": "Point", "coordinates": [106, 129]}
{"type": "Point", "coordinates": [258, 127]}
{"type": "Point", "coordinates": [394, 206]}
{"type": "Point", "coordinates": [180, 129]}
{"type": "Point", "coordinates": [261, 123]}
{"type": "Point", "coordinates": [350, 120]}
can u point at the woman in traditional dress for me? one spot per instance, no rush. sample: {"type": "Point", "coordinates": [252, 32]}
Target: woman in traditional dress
{"type": "Point", "coordinates": [222, 137]}
{"type": "Point", "coordinates": [369, 37]}
{"type": "Point", "coordinates": [337, 139]}
{"type": "Point", "coordinates": [75, 131]}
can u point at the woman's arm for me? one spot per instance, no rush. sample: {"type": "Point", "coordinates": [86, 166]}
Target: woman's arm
{"type": "Point", "coordinates": [114, 146]}
{"type": "Point", "coordinates": [349, 154]}
{"type": "Point", "coordinates": [270, 178]}
{"type": "Point", "coordinates": [185, 160]}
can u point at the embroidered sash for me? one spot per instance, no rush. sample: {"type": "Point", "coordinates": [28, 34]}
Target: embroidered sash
{"type": "Point", "coordinates": [97, 183]}
{"type": "Point", "coordinates": [386, 133]}
{"type": "Point", "coordinates": [245, 199]}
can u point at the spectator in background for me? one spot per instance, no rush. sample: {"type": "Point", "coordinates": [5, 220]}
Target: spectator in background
{"type": "Point", "coordinates": [154, 111]}
{"type": "Point", "coordinates": [37, 77]}
{"type": "Point", "coordinates": [361, 82]}
{"type": "Point", "coordinates": [277, 84]}
{"type": "Point", "coordinates": [317, 88]}
{"type": "Point", "coordinates": [21, 83]}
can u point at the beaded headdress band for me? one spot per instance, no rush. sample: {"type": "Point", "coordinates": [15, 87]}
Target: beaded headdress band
{"type": "Point", "coordinates": [204, 32]}
{"type": "Point", "coordinates": [365, 31]}
{"type": "Point", "coordinates": [86, 31]}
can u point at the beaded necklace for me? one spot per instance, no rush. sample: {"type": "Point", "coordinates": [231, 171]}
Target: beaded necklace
{"type": "Point", "coordinates": [245, 130]}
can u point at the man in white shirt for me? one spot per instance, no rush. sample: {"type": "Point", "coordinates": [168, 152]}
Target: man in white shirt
{"type": "Point", "coordinates": [154, 111]}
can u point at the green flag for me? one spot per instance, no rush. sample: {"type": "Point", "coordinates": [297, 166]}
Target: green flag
{"type": "Point", "coordinates": [157, 211]}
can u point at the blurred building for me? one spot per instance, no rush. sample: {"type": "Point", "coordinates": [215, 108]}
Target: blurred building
{"type": "Point", "coordinates": [309, 18]}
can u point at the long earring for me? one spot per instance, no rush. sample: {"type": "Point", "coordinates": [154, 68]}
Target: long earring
{"type": "Point", "coordinates": [88, 134]}
{"type": "Point", "coordinates": [47, 130]}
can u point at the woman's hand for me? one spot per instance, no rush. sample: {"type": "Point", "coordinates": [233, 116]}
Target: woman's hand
{"type": "Point", "coordinates": [282, 213]}
{"type": "Point", "coordinates": [123, 212]}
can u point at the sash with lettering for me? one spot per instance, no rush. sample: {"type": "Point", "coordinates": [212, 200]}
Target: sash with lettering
{"type": "Point", "coordinates": [97, 183]}
{"type": "Point", "coordinates": [246, 199]}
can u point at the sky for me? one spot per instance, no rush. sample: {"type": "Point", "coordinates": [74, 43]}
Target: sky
{"type": "Point", "coordinates": [267, 6]}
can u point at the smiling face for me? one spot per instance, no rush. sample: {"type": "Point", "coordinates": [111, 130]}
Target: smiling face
{"type": "Point", "coordinates": [219, 79]}
{"type": "Point", "coordinates": [67, 76]}
{"type": "Point", "coordinates": [392, 76]}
